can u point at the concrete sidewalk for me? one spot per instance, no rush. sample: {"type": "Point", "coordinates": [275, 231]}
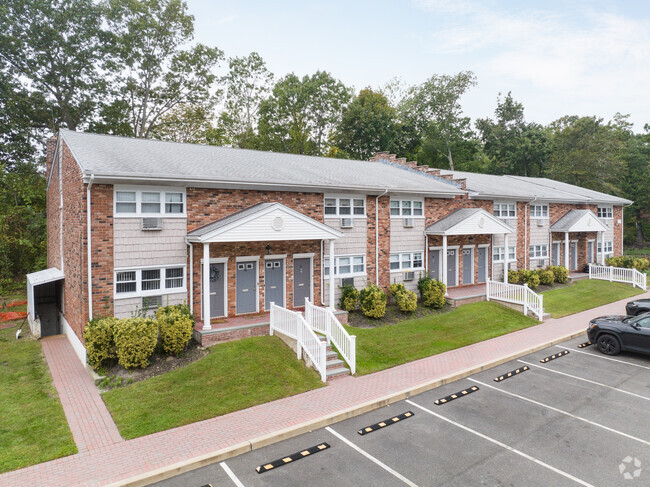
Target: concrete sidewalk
{"type": "Point", "coordinates": [179, 449]}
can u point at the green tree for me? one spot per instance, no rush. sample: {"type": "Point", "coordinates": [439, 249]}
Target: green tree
{"type": "Point", "coordinates": [635, 184]}
{"type": "Point", "coordinates": [434, 110]}
{"type": "Point", "coordinates": [190, 124]}
{"type": "Point", "coordinates": [368, 125]}
{"type": "Point", "coordinates": [588, 152]}
{"type": "Point", "coordinates": [514, 146]}
{"type": "Point", "coordinates": [248, 83]}
{"type": "Point", "coordinates": [155, 75]}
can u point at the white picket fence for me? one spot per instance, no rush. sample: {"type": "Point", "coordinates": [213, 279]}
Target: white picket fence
{"type": "Point", "coordinates": [515, 294]}
{"type": "Point", "coordinates": [293, 325]}
{"type": "Point", "coordinates": [322, 320]}
{"type": "Point", "coordinates": [618, 274]}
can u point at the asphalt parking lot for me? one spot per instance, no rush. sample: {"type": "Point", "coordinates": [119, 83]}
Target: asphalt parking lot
{"type": "Point", "coordinates": [580, 419]}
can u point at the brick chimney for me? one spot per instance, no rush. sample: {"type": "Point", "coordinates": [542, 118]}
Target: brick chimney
{"type": "Point", "coordinates": [50, 148]}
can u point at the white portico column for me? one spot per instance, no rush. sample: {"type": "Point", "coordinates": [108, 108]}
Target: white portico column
{"type": "Point", "coordinates": [602, 247]}
{"type": "Point", "coordinates": [566, 250]}
{"type": "Point", "coordinates": [444, 261]}
{"type": "Point", "coordinates": [206, 287]}
{"type": "Point", "coordinates": [331, 256]}
{"type": "Point", "coordinates": [506, 255]}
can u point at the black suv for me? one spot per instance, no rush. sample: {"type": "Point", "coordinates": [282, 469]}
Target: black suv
{"type": "Point", "coordinates": [611, 334]}
{"type": "Point", "coordinates": [637, 307]}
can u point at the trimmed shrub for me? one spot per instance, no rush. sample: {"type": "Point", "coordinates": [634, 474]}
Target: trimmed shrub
{"type": "Point", "coordinates": [514, 277]}
{"type": "Point", "coordinates": [529, 277]}
{"type": "Point", "coordinates": [349, 298]}
{"type": "Point", "coordinates": [372, 301]}
{"type": "Point", "coordinates": [406, 300]}
{"type": "Point", "coordinates": [628, 262]}
{"type": "Point", "coordinates": [561, 273]}
{"type": "Point", "coordinates": [433, 293]}
{"type": "Point", "coordinates": [546, 277]}
{"type": "Point", "coordinates": [183, 309]}
{"type": "Point", "coordinates": [175, 330]}
{"type": "Point", "coordinates": [395, 288]}
{"type": "Point", "coordinates": [135, 340]}
{"type": "Point", "coordinates": [99, 340]}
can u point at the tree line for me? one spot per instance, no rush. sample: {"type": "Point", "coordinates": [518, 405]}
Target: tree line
{"type": "Point", "coordinates": [131, 68]}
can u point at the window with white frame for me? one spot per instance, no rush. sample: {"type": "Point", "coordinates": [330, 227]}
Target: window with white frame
{"type": "Point", "coordinates": [136, 202]}
{"type": "Point", "coordinates": [609, 247]}
{"type": "Point", "coordinates": [345, 207]}
{"type": "Point", "coordinates": [346, 266]}
{"type": "Point", "coordinates": [538, 251]}
{"type": "Point", "coordinates": [498, 253]}
{"type": "Point", "coordinates": [136, 282]}
{"type": "Point", "coordinates": [406, 208]}
{"type": "Point", "coordinates": [406, 261]}
{"type": "Point", "coordinates": [605, 212]}
{"type": "Point", "coordinates": [539, 211]}
{"type": "Point", "coordinates": [505, 210]}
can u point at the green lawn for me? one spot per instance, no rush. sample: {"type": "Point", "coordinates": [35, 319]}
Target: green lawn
{"type": "Point", "coordinates": [233, 376]}
{"type": "Point", "coordinates": [585, 295]}
{"type": "Point", "coordinates": [388, 346]}
{"type": "Point", "coordinates": [33, 428]}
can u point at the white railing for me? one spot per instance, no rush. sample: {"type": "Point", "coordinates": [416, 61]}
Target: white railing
{"type": "Point", "coordinates": [618, 274]}
{"type": "Point", "coordinates": [515, 294]}
{"type": "Point", "coordinates": [322, 320]}
{"type": "Point", "coordinates": [293, 325]}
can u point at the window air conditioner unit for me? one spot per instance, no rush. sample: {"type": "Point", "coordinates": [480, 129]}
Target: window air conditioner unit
{"type": "Point", "coordinates": [540, 223]}
{"type": "Point", "coordinates": [408, 222]}
{"type": "Point", "coordinates": [347, 223]}
{"type": "Point", "coordinates": [151, 302]}
{"type": "Point", "coordinates": [409, 276]}
{"type": "Point", "coordinates": [152, 223]}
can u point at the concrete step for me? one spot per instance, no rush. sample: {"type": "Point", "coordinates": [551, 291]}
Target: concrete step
{"type": "Point", "coordinates": [334, 363]}
{"type": "Point", "coordinates": [331, 354]}
{"type": "Point", "coordinates": [337, 373]}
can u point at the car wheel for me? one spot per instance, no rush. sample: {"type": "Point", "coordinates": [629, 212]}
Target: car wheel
{"type": "Point", "coordinates": [608, 344]}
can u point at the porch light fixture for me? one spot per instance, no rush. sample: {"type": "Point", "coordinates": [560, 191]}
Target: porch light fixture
{"type": "Point", "coordinates": [268, 249]}
{"type": "Point", "coordinates": [471, 237]}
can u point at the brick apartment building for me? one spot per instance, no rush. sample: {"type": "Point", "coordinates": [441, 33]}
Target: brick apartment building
{"type": "Point", "coordinates": [228, 231]}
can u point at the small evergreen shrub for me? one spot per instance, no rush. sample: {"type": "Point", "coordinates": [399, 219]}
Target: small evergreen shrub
{"type": "Point", "coordinates": [406, 300]}
{"type": "Point", "coordinates": [135, 340]}
{"type": "Point", "coordinates": [99, 340]}
{"type": "Point", "coordinates": [349, 298]}
{"type": "Point", "coordinates": [561, 273]}
{"type": "Point", "coordinates": [396, 288]}
{"type": "Point", "coordinates": [183, 309]}
{"type": "Point", "coordinates": [514, 277]}
{"type": "Point", "coordinates": [432, 292]}
{"type": "Point", "coordinates": [372, 301]}
{"type": "Point", "coordinates": [628, 262]}
{"type": "Point", "coordinates": [175, 330]}
{"type": "Point", "coordinates": [529, 277]}
{"type": "Point", "coordinates": [546, 277]}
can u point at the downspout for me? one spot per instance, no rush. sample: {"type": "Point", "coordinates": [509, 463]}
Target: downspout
{"type": "Point", "coordinates": [89, 238]}
{"type": "Point", "coordinates": [377, 236]}
{"type": "Point", "coordinates": [60, 176]}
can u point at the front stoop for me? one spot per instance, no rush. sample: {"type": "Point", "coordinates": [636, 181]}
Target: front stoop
{"type": "Point", "coordinates": [334, 367]}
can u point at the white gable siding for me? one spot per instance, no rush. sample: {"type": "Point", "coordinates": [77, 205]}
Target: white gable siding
{"type": "Point", "coordinates": [134, 247]}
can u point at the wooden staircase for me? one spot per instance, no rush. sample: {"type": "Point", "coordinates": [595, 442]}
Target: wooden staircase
{"type": "Point", "coordinates": [334, 366]}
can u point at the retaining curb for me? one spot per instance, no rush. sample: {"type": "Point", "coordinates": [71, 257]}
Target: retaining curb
{"type": "Point", "coordinates": [280, 435]}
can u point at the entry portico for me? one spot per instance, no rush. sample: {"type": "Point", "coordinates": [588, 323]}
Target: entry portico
{"type": "Point", "coordinates": [576, 225]}
{"type": "Point", "coordinates": [277, 225]}
{"type": "Point", "coordinates": [470, 223]}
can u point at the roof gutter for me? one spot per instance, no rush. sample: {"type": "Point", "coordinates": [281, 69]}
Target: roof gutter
{"type": "Point", "coordinates": [89, 248]}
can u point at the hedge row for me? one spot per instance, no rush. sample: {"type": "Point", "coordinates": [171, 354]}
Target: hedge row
{"type": "Point", "coordinates": [548, 276]}
{"type": "Point", "coordinates": [629, 262]}
{"type": "Point", "coordinates": [132, 341]}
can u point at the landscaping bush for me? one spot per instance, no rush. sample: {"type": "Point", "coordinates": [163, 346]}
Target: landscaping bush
{"type": "Point", "coordinates": [560, 273]}
{"type": "Point", "coordinates": [396, 288]}
{"type": "Point", "coordinates": [99, 339]}
{"type": "Point", "coordinates": [514, 277]}
{"type": "Point", "coordinates": [546, 277]}
{"type": "Point", "coordinates": [349, 298]}
{"type": "Point", "coordinates": [529, 277]}
{"type": "Point", "coordinates": [406, 300]}
{"type": "Point", "coordinates": [183, 309]}
{"type": "Point", "coordinates": [135, 341]}
{"type": "Point", "coordinates": [175, 330]}
{"type": "Point", "coordinates": [628, 262]}
{"type": "Point", "coordinates": [372, 301]}
{"type": "Point", "coordinates": [432, 292]}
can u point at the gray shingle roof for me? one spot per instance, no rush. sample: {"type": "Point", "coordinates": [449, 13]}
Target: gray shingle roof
{"type": "Point", "coordinates": [238, 215]}
{"type": "Point", "coordinates": [120, 158]}
{"type": "Point", "coordinates": [451, 220]}
{"type": "Point", "coordinates": [527, 188]}
{"type": "Point", "coordinates": [571, 217]}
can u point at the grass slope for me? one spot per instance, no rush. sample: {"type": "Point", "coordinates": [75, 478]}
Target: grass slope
{"type": "Point", "coordinates": [233, 376]}
{"type": "Point", "coordinates": [33, 428]}
{"type": "Point", "coordinates": [585, 295]}
{"type": "Point", "coordinates": [388, 346]}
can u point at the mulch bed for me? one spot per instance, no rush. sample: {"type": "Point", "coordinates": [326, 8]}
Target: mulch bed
{"type": "Point", "coordinates": [393, 316]}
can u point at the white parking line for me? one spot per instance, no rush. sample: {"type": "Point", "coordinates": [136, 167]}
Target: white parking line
{"type": "Point", "coordinates": [371, 458]}
{"type": "Point", "coordinates": [230, 474]}
{"type": "Point", "coordinates": [503, 445]}
{"type": "Point", "coordinates": [585, 380]}
{"type": "Point", "coordinates": [607, 358]}
{"type": "Point", "coordinates": [640, 440]}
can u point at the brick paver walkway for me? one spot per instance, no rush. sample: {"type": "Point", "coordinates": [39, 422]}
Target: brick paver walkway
{"type": "Point", "coordinates": [90, 422]}
{"type": "Point", "coordinates": [126, 459]}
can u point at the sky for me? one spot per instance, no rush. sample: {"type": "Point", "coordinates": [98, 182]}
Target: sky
{"type": "Point", "coordinates": [571, 57]}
